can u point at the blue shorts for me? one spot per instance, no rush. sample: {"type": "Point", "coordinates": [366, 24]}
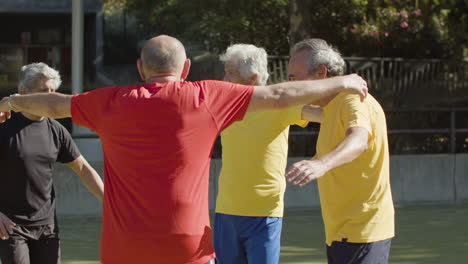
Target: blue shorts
{"type": "Point", "coordinates": [246, 239]}
{"type": "Point", "coordinates": [359, 253]}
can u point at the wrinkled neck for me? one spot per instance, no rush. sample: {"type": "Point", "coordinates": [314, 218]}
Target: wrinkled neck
{"type": "Point", "coordinates": [163, 78]}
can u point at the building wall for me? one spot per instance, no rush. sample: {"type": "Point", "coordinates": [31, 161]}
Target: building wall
{"type": "Point", "coordinates": [40, 31]}
{"type": "Point", "coordinates": [49, 6]}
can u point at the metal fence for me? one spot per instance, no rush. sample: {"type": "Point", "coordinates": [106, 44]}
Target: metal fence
{"type": "Point", "coordinates": [407, 86]}
{"type": "Point", "coordinates": [452, 132]}
{"type": "Point", "coordinates": [404, 88]}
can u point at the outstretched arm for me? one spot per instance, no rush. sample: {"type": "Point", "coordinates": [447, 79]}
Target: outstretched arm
{"type": "Point", "coordinates": [53, 105]}
{"type": "Point", "coordinates": [351, 147]}
{"type": "Point", "coordinates": [287, 94]}
{"type": "Point", "coordinates": [88, 176]}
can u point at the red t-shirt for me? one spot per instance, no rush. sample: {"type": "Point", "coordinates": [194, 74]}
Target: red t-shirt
{"type": "Point", "coordinates": [157, 140]}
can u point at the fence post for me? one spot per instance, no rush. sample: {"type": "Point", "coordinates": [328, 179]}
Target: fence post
{"type": "Point", "coordinates": [453, 130]}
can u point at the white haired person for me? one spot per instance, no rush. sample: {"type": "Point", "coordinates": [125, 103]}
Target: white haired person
{"type": "Point", "coordinates": [351, 164]}
{"type": "Point", "coordinates": [158, 138]}
{"type": "Point", "coordinates": [249, 206]}
{"type": "Point", "coordinates": [30, 145]}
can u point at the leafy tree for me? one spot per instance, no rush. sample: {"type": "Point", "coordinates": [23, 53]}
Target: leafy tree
{"type": "Point", "coordinates": [386, 28]}
{"type": "Point", "coordinates": [214, 24]}
{"type": "Point", "coordinates": [401, 28]}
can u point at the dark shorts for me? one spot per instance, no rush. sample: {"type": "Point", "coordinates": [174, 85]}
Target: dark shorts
{"type": "Point", "coordinates": [359, 253]}
{"type": "Point", "coordinates": [31, 245]}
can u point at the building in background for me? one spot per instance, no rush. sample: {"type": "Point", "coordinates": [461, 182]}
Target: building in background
{"type": "Point", "coordinates": [36, 30]}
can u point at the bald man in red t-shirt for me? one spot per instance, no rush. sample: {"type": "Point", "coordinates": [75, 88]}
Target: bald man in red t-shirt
{"type": "Point", "coordinates": [157, 139]}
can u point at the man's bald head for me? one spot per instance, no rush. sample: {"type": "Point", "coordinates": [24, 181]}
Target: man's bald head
{"type": "Point", "coordinates": [163, 55]}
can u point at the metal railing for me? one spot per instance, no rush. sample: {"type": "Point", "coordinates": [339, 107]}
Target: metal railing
{"type": "Point", "coordinates": [451, 131]}
{"type": "Point", "coordinates": [399, 78]}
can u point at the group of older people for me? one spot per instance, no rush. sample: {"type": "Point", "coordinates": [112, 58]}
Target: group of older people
{"type": "Point", "coordinates": [157, 139]}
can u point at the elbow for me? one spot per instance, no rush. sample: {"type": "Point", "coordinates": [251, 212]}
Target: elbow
{"type": "Point", "coordinates": [282, 102]}
{"type": "Point", "coordinates": [59, 106]}
{"type": "Point", "coordinates": [57, 111]}
{"type": "Point", "coordinates": [282, 99]}
{"type": "Point", "coordinates": [363, 146]}
{"type": "Point", "coordinates": [52, 112]}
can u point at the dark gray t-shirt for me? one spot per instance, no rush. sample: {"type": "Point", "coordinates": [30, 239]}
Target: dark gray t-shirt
{"type": "Point", "coordinates": [28, 152]}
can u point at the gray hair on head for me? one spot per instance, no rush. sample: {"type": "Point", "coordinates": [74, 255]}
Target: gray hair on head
{"type": "Point", "coordinates": [321, 53]}
{"type": "Point", "coordinates": [251, 60]}
{"type": "Point", "coordinates": [32, 73]}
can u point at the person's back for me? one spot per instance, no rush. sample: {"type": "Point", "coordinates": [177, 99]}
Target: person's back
{"type": "Point", "coordinates": [255, 150]}
{"type": "Point", "coordinates": [166, 132]}
{"type": "Point", "coordinates": [251, 185]}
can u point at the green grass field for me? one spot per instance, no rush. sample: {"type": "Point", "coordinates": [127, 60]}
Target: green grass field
{"type": "Point", "coordinates": [429, 235]}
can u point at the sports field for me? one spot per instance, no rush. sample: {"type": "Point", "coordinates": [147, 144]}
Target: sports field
{"type": "Point", "coordinates": [429, 235]}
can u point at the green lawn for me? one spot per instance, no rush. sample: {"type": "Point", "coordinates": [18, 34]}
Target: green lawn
{"type": "Point", "coordinates": [426, 235]}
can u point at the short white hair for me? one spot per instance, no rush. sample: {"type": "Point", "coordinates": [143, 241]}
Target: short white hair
{"type": "Point", "coordinates": [32, 73]}
{"type": "Point", "coordinates": [321, 53]}
{"type": "Point", "coordinates": [251, 60]}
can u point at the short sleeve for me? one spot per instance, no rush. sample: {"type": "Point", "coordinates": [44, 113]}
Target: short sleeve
{"type": "Point", "coordinates": [227, 102]}
{"type": "Point", "coordinates": [87, 108]}
{"type": "Point", "coordinates": [355, 113]}
{"type": "Point", "coordinates": [293, 116]}
{"type": "Point", "coordinates": [68, 151]}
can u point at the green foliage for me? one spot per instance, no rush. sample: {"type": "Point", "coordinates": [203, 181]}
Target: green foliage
{"type": "Point", "coordinates": [329, 20]}
{"type": "Point", "coordinates": [412, 29]}
{"type": "Point", "coordinates": [387, 28]}
{"type": "Point", "coordinates": [214, 24]}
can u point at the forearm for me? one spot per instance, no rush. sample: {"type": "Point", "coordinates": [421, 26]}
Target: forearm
{"type": "Point", "coordinates": [287, 94]}
{"type": "Point", "coordinates": [53, 105]}
{"type": "Point", "coordinates": [306, 92]}
{"type": "Point", "coordinates": [88, 176]}
{"type": "Point", "coordinates": [351, 147]}
{"type": "Point", "coordinates": [92, 181]}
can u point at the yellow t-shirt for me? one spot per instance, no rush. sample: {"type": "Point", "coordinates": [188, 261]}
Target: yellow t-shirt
{"type": "Point", "coordinates": [255, 153]}
{"type": "Point", "coordinates": [356, 199]}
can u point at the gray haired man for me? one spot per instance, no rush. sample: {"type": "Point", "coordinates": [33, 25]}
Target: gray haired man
{"type": "Point", "coordinates": [29, 147]}
{"type": "Point", "coordinates": [351, 164]}
{"type": "Point", "coordinates": [249, 207]}
{"type": "Point", "coordinates": [158, 138]}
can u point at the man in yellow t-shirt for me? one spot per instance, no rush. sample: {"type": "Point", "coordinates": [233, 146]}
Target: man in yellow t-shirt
{"type": "Point", "coordinates": [249, 206]}
{"type": "Point", "coordinates": [351, 164]}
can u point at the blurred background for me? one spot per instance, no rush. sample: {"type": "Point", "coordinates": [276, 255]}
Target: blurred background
{"type": "Point", "coordinates": [413, 53]}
